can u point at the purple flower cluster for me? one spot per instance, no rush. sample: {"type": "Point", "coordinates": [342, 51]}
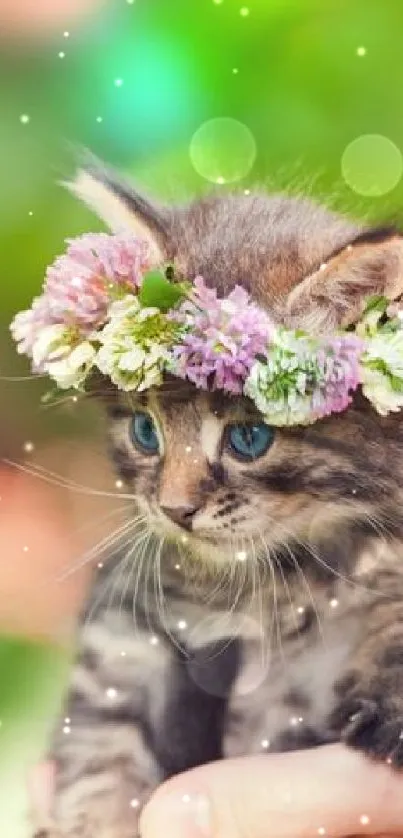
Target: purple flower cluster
{"type": "Point", "coordinates": [339, 365]}
{"type": "Point", "coordinates": [80, 285]}
{"type": "Point", "coordinates": [223, 338]}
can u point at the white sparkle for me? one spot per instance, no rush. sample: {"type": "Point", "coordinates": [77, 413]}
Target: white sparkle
{"type": "Point", "coordinates": [24, 118]}
{"type": "Point", "coordinates": [218, 2]}
{"type": "Point", "coordinates": [119, 484]}
{"type": "Point", "coordinates": [118, 82]}
{"type": "Point", "coordinates": [25, 548]}
{"type": "Point", "coordinates": [184, 539]}
{"type": "Point", "coordinates": [188, 449]}
{"type": "Point", "coordinates": [134, 803]}
{"type": "Point", "coordinates": [321, 830]}
{"type": "Point", "coordinates": [323, 266]}
{"type": "Point", "coordinates": [182, 624]}
{"type": "Point", "coordinates": [220, 180]}
{"type": "Point", "coordinates": [389, 761]}
{"type": "Point", "coordinates": [130, 2]}
{"type": "Point", "coordinates": [241, 555]}
{"type": "Point", "coordinates": [246, 192]}
{"type": "Point", "coordinates": [235, 71]}
{"type": "Point", "coordinates": [123, 654]}
{"type": "Point", "coordinates": [177, 567]}
{"type": "Point", "coordinates": [353, 491]}
{"type": "Point", "coordinates": [401, 735]}
{"type": "Point", "coordinates": [67, 720]}
{"type": "Point", "coordinates": [361, 51]}
{"type": "Point", "coordinates": [244, 11]}
{"type": "Point", "coordinates": [349, 247]}
{"type": "Point", "coordinates": [293, 721]}
{"type": "Point", "coordinates": [111, 692]}
{"type": "Point", "coordinates": [62, 54]}
{"type": "Point", "coordinates": [74, 399]}
{"type": "Point", "coordinates": [66, 34]}
{"type": "Point", "coordinates": [186, 798]}
{"type": "Point", "coordinates": [99, 118]}
{"type": "Point", "coordinates": [100, 564]}
{"type": "Point", "coordinates": [300, 719]}
{"type": "Point", "coordinates": [154, 640]}
{"type": "Point", "coordinates": [66, 730]}
{"type": "Point", "coordinates": [300, 609]}
{"type": "Point", "coordinates": [30, 212]}
{"type": "Point", "coordinates": [265, 743]}
{"type": "Point", "coordinates": [364, 819]}
{"type": "Point", "coordinates": [334, 603]}
{"type": "Point", "coordinates": [28, 447]}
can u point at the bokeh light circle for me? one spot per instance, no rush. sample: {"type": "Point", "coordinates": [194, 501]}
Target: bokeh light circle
{"type": "Point", "coordinates": [372, 165]}
{"type": "Point", "coordinates": [223, 150]}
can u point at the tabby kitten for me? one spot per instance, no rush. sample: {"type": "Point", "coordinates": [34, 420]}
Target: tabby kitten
{"type": "Point", "coordinates": [259, 600]}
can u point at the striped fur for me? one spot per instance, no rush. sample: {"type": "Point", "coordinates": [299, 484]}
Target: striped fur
{"type": "Point", "coordinates": [274, 619]}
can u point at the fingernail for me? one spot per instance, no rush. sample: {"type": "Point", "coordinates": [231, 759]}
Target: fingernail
{"type": "Point", "coordinates": [176, 816]}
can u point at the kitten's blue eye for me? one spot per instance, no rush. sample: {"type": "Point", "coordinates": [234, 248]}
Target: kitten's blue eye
{"type": "Point", "coordinates": [143, 433]}
{"type": "Point", "coordinates": [250, 441]}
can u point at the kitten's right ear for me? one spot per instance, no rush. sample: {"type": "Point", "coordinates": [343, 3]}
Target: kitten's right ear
{"type": "Point", "coordinates": [335, 295]}
{"type": "Point", "coordinates": [120, 206]}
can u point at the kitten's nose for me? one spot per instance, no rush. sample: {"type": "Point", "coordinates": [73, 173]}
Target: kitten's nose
{"type": "Point", "coordinates": [181, 515]}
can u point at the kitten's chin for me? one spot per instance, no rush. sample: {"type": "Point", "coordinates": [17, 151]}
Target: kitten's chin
{"type": "Point", "coordinates": [214, 550]}
{"type": "Point", "coordinates": [212, 547]}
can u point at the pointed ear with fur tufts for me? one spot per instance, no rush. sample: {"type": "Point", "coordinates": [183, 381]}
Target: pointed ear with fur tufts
{"type": "Point", "coordinates": [120, 206]}
{"type": "Point", "coordinates": [334, 296]}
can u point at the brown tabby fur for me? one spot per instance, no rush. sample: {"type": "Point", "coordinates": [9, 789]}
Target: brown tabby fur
{"type": "Point", "coordinates": [301, 643]}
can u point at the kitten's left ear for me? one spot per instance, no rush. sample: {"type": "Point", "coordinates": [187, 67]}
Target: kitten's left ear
{"type": "Point", "coordinates": [120, 206]}
{"type": "Point", "coordinates": [335, 295]}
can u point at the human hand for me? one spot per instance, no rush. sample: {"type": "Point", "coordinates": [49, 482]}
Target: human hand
{"type": "Point", "coordinates": [331, 791]}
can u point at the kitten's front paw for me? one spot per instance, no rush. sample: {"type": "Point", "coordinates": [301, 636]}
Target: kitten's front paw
{"type": "Point", "coordinates": [372, 724]}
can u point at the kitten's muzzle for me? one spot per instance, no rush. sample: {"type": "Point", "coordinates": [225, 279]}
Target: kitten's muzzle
{"type": "Point", "coordinates": [181, 515]}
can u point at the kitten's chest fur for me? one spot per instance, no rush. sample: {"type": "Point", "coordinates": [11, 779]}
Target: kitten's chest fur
{"type": "Point", "coordinates": [273, 653]}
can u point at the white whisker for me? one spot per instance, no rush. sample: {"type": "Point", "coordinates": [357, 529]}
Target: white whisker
{"type": "Point", "coordinates": [64, 482]}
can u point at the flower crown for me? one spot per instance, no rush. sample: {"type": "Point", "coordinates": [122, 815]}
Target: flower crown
{"type": "Point", "coordinates": [105, 307]}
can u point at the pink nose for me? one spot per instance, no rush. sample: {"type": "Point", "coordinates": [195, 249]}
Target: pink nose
{"type": "Point", "coordinates": [181, 515]}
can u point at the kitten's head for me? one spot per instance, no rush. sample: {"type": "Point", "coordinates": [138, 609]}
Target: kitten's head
{"type": "Point", "coordinates": [204, 467]}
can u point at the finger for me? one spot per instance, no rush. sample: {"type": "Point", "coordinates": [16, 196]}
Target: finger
{"type": "Point", "coordinates": [329, 791]}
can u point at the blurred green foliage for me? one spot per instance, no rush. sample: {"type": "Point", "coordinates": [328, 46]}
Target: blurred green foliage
{"type": "Point", "coordinates": [307, 77]}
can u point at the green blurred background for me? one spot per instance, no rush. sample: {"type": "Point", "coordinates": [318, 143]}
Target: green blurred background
{"type": "Point", "coordinates": [311, 97]}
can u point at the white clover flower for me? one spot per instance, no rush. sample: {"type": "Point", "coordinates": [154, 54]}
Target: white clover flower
{"type": "Point", "coordinates": [53, 342]}
{"type": "Point", "coordinates": [135, 345]}
{"type": "Point", "coordinates": [303, 379]}
{"type": "Point", "coordinates": [382, 372]}
{"type": "Point", "coordinates": [280, 408]}
{"type": "Point", "coordinates": [386, 347]}
{"type": "Point", "coordinates": [72, 370]}
{"type": "Point", "coordinates": [377, 388]}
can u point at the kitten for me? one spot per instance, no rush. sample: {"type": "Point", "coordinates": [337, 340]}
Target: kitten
{"type": "Point", "coordinates": [257, 602]}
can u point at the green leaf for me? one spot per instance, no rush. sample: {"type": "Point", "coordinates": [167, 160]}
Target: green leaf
{"type": "Point", "coordinates": [396, 383]}
{"type": "Point", "coordinates": [158, 292]}
{"type": "Point", "coordinates": [376, 303]}
{"type": "Point", "coordinates": [379, 365]}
